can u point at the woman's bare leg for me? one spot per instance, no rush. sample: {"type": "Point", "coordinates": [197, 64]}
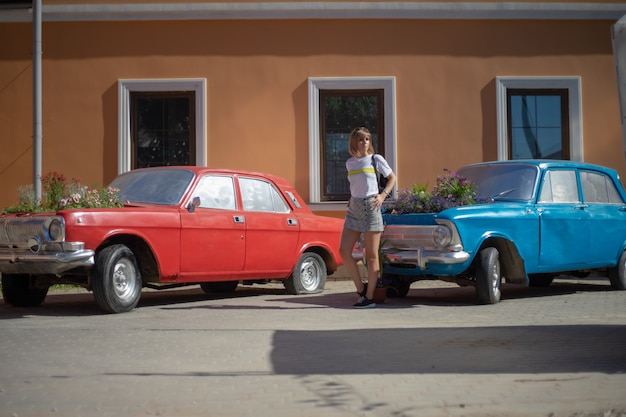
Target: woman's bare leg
{"type": "Point", "coordinates": [348, 239]}
{"type": "Point", "coordinates": [372, 243]}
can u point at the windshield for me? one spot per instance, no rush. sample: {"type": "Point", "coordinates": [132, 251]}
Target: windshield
{"type": "Point", "coordinates": [504, 182]}
{"type": "Point", "coordinates": [153, 186]}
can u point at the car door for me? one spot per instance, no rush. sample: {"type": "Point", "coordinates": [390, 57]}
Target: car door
{"type": "Point", "coordinates": [565, 230]}
{"type": "Point", "coordinates": [272, 229]}
{"type": "Point", "coordinates": [607, 216]}
{"type": "Point", "coordinates": [213, 235]}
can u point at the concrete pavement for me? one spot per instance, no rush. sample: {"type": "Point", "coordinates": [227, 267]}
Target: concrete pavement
{"type": "Point", "coordinates": [553, 352]}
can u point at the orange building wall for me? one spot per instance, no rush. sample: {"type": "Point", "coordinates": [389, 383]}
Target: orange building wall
{"type": "Point", "coordinates": [257, 97]}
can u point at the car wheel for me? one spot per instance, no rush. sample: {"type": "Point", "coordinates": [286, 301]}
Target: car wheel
{"type": "Point", "coordinates": [488, 277]}
{"type": "Point", "coordinates": [219, 286]}
{"type": "Point", "coordinates": [116, 282]}
{"type": "Point", "coordinates": [397, 288]}
{"type": "Point", "coordinates": [540, 280]}
{"type": "Point", "coordinates": [617, 275]}
{"type": "Point", "coordinates": [309, 275]}
{"type": "Point", "coordinates": [18, 291]}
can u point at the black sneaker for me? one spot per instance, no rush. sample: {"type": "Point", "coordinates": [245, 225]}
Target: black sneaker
{"type": "Point", "coordinates": [365, 302]}
{"type": "Point", "coordinates": [364, 291]}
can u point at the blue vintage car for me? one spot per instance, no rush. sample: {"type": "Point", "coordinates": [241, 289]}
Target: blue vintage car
{"type": "Point", "coordinates": [535, 220]}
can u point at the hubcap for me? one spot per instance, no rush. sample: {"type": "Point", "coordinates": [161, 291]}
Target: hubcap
{"type": "Point", "coordinates": [495, 279]}
{"type": "Point", "coordinates": [310, 272]}
{"type": "Point", "coordinates": [124, 279]}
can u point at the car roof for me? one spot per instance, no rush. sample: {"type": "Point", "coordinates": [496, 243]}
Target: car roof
{"type": "Point", "coordinates": [200, 170]}
{"type": "Point", "coordinates": [548, 163]}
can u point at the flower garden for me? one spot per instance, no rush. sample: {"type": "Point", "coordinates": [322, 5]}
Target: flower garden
{"type": "Point", "coordinates": [451, 190]}
{"type": "Point", "coordinates": [58, 194]}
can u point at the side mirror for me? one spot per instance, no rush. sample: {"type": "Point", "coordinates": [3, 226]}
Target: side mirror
{"type": "Point", "coordinates": [193, 204]}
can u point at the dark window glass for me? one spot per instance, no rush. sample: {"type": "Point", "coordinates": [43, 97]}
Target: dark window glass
{"type": "Point", "coordinates": [341, 111]}
{"type": "Point", "coordinates": [502, 182]}
{"type": "Point", "coordinates": [162, 129]}
{"type": "Point", "coordinates": [153, 186]}
{"type": "Point", "coordinates": [538, 123]}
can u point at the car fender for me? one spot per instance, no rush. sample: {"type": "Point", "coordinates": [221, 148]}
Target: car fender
{"type": "Point", "coordinates": [324, 244]}
{"type": "Point", "coordinates": [619, 253]}
{"type": "Point", "coordinates": [480, 224]}
{"type": "Point", "coordinates": [157, 246]}
{"type": "Point", "coordinates": [330, 256]}
{"type": "Point", "coordinates": [511, 263]}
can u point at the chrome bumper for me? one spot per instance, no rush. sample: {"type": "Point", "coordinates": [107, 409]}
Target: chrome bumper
{"type": "Point", "coordinates": [419, 257]}
{"type": "Point", "coordinates": [12, 262]}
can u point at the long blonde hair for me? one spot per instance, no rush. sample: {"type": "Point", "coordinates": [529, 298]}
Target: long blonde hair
{"type": "Point", "coordinates": [353, 144]}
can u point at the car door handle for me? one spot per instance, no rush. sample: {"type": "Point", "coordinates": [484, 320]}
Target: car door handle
{"type": "Point", "coordinates": [292, 222]}
{"type": "Point", "coordinates": [239, 219]}
{"type": "Point", "coordinates": [581, 206]}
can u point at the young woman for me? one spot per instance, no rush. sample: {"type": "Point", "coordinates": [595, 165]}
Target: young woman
{"type": "Point", "coordinates": [364, 211]}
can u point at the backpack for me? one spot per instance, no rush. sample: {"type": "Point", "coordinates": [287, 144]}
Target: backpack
{"type": "Point", "coordinates": [380, 179]}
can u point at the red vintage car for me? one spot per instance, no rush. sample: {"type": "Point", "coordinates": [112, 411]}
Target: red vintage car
{"type": "Point", "coordinates": [178, 226]}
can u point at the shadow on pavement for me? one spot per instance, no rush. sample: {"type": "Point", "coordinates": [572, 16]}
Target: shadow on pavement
{"type": "Point", "coordinates": [485, 350]}
{"type": "Point", "coordinates": [449, 296]}
{"type": "Point", "coordinates": [82, 303]}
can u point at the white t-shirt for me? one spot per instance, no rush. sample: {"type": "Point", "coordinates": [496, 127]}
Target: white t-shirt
{"type": "Point", "coordinates": [362, 177]}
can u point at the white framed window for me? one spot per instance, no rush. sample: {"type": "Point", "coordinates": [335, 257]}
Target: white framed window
{"type": "Point", "coordinates": [126, 87]}
{"type": "Point", "coordinates": [571, 85]}
{"type": "Point", "coordinates": [316, 168]}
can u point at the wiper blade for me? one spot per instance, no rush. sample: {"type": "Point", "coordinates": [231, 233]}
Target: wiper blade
{"type": "Point", "coordinates": [502, 194]}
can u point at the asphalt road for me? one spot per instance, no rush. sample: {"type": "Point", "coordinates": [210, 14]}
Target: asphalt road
{"type": "Point", "coordinates": [552, 352]}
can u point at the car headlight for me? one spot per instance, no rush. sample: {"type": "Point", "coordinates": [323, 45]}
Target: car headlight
{"type": "Point", "coordinates": [442, 236]}
{"type": "Point", "coordinates": [55, 230]}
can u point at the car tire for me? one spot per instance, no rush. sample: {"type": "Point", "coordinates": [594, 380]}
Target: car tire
{"type": "Point", "coordinates": [18, 291]}
{"type": "Point", "coordinates": [488, 278]}
{"type": "Point", "coordinates": [219, 286]}
{"type": "Point", "coordinates": [116, 281]}
{"type": "Point", "coordinates": [309, 275]}
{"type": "Point", "coordinates": [617, 275]}
{"type": "Point", "coordinates": [397, 288]}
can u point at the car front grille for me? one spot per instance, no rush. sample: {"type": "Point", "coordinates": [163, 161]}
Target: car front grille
{"type": "Point", "coordinates": [408, 237]}
{"type": "Point", "coordinates": [16, 231]}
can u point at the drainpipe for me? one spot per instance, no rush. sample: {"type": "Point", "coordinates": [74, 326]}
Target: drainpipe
{"type": "Point", "coordinates": [619, 56]}
{"type": "Point", "coordinates": [37, 113]}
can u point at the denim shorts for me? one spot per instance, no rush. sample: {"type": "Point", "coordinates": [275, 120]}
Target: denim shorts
{"type": "Point", "coordinates": [362, 217]}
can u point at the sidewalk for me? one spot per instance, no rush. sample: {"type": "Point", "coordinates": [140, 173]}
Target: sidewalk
{"type": "Point", "coordinates": [551, 352]}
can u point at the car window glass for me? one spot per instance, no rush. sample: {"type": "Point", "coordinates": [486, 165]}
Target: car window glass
{"type": "Point", "coordinates": [598, 188]}
{"type": "Point", "coordinates": [559, 186]}
{"type": "Point", "coordinates": [259, 195]}
{"type": "Point", "coordinates": [510, 182]}
{"type": "Point", "coordinates": [154, 186]}
{"type": "Point", "coordinates": [216, 192]}
{"type": "Point", "coordinates": [293, 198]}
{"type": "Point", "coordinates": [614, 197]}
{"type": "Point", "coordinates": [279, 204]}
